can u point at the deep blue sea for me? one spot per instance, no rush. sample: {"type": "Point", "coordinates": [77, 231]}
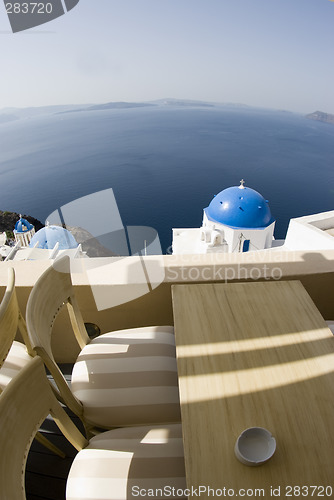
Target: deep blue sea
{"type": "Point", "coordinates": [166, 163]}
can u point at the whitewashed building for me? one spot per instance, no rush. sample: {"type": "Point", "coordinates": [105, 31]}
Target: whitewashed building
{"type": "Point", "coordinates": [238, 219]}
{"type": "Point", "coordinates": [23, 232]}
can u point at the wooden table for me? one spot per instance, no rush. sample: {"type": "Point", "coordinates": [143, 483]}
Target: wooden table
{"type": "Point", "coordinates": [255, 354]}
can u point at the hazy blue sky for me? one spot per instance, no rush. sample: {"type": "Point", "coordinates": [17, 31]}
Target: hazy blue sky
{"type": "Point", "coordinates": [268, 53]}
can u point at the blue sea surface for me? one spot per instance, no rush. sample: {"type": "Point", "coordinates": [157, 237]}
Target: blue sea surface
{"type": "Point", "coordinates": [165, 163]}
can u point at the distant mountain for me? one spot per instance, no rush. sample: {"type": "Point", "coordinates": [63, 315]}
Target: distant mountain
{"type": "Point", "coordinates": [119, 105]}
{"type": "Point", "coordinates": [320, 116]}
{"type": "Point", "coordinates": [12, 114]}
{"type": "Point", "coordinates": [184, 103]}
{"type": "Point", "coordinates": [187, 103]}
{"type": "Point", "coordinates": [160, 102]}
{"type": "Point", "coordinates": [110, 105]}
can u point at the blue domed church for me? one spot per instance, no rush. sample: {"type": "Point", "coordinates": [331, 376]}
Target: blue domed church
{"type": "Point", "coordinates": [50, 236]}
{"type": "Point", "coordinates": [47, 243]}
{"type": "Point", "coordinates": [23, 232]}
{"type": "Point", "coordinates": [238, 219]}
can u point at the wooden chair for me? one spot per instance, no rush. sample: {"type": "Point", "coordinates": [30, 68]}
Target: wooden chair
{"type": "Point", "coordinates": [122, 378]}
{"type": "Point", "coordinates": [112, 465]}
{"type": "Point", "coordinates": [15, 355]}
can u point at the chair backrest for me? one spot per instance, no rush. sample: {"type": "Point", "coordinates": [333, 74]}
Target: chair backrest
{"type": "Point", "coordinates": [24, 404]}
{"type": "Point", "coordinates": [50, 293]}
{"type": "Point", "coordinates": [11, 319]}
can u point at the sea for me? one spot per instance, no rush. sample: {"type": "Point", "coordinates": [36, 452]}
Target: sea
{"type": "Point", "coordinates": [165, 163]}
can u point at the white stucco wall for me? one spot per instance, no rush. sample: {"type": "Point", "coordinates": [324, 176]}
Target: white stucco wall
{"type": "Point", "coordinates": [310, 232]}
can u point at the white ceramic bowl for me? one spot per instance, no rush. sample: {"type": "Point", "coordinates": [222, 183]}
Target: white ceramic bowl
{"type": "Point", "coordinates": [255, 446]}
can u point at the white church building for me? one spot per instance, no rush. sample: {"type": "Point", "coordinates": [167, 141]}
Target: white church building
{"type": "Point", "coordinates": [23, 232]}
{"type": "Point", "coordinates": [238, 219]}
{"type": "Point", "coordinates": [47, 243]}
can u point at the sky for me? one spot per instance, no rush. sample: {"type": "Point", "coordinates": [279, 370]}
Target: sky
{"type": "Point", "coordinates": [266, 53]}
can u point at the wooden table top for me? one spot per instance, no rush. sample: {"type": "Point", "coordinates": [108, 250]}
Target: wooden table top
{"type": "Point", "coordinates": [255, 354]}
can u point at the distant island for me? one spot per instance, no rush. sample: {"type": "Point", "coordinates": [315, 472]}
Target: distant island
{"type": "Point", "coordinates": [111, 105]}
{"type": "Point", "coordinates": [320, 116]}
{"type": "Point", "coordinates": [11, 114]}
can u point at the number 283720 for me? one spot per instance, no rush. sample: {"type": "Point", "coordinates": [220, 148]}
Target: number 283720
{"type": "Point", "coordinates": [29, 8]}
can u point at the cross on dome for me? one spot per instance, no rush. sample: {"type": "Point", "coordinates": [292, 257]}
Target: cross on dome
{"type": "Point", "coordinates": [242, 182]}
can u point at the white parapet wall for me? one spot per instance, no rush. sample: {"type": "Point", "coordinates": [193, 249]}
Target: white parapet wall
{"type": "Point", "coordinates": [134, 291]}
{"type": "Point", "coordinates": [311, 232]}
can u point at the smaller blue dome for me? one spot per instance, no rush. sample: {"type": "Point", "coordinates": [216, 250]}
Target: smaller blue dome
{"type": "Point", "coordinates": [22, 226]}
{"type": "Point", "coordinates": [240, 207]}
{"type": "Point", "coordinates": [49, 236]}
